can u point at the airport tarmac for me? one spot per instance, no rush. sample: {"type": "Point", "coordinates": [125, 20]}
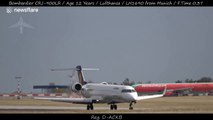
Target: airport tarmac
{"type": "Point", "coordinates": [185, 104]}
{"type": "Point", "coordinates": [56, 108]}
{"type": "Point", "coordinates": [78, 110]}
{"type": "Point", "coordinates": [59, 109]}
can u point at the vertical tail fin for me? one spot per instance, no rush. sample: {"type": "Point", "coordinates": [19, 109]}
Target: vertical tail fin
{"type": "Point", "coordinates": [79, 70]}
{"type": "Point", "coordinates": [80, 75]}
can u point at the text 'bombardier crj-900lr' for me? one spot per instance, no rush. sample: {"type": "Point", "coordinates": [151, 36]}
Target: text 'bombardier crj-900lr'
{"type": "Point", "coordinates": [101, 93]}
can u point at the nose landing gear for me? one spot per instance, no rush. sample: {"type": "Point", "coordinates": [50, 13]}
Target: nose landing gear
{"type": "Point", "coordinates": [130, 105]}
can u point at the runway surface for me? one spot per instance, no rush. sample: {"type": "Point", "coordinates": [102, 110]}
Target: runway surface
{"type": "Point", "coordinates": [62, 109]}
{"type": "Point", "coordinates": [54, 108]}
{"type": "Point", "coordinates": [193, 104]}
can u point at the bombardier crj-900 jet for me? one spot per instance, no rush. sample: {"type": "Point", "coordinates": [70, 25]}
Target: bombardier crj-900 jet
{"type": "Point", "coordinates": [21, 24]}
{"type": "Point", "coordinates": [101, 92]}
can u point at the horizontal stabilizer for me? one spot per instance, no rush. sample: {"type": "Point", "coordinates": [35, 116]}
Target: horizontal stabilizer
{"type": "Point", "coordinates": [65, 69]}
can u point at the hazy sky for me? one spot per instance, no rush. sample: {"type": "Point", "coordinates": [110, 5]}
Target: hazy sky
{"type": "Point", "coordinates": [142, 44]}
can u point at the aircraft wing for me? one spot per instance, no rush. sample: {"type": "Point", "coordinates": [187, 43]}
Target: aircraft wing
{"type": "Point", "coordinates": [70, 100]}
{"type": "Point", "coordinates": [151, 96]}
{"type": "Point", "coordinates": [27, 25]}
{"type": "Point", "coordinates": [14, 25]}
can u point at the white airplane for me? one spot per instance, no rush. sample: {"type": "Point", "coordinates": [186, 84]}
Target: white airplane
{"type": "Point", "coordinates": [101, 93]}
{"type": "Point", "coordinates": [21, 24]}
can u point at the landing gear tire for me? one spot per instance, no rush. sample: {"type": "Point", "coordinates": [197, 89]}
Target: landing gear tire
{"type": "Point", "coordinates": [113, 107]}
{"type": "Point", "coordinates": [90, 107]}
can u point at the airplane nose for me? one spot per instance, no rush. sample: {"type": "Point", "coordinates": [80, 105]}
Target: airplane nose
{"type": "Point", "coordinates": [133, 96]}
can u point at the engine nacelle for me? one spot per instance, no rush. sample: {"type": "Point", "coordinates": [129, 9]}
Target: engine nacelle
{"type": "Point", "coordinates": [76, 87]}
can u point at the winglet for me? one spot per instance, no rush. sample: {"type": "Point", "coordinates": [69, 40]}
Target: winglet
{"type": "Point", "coordinates": [164, 91]}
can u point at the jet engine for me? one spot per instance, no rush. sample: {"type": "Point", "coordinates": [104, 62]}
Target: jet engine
{"type": "Point", "coordinates": [76, 87]}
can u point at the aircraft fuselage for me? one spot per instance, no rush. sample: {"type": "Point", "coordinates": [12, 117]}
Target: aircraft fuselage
{"type": "Point", "coordinates": [109, 93]}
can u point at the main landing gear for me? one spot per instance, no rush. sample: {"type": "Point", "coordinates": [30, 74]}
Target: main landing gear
{"type": "Point", "coordinates": [130, 105]}
{"type": "Point", "coordinates": [90, 106]}
{"type": "Point", "coordinates": [113, 106]}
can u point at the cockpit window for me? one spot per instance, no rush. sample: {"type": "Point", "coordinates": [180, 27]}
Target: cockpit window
{"type": "Point", "coordinates": [105, 83]}
{"type": "Point", "coordinates": [127, 91]}
{"type": "Point", "coordinates": [133, 91]}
